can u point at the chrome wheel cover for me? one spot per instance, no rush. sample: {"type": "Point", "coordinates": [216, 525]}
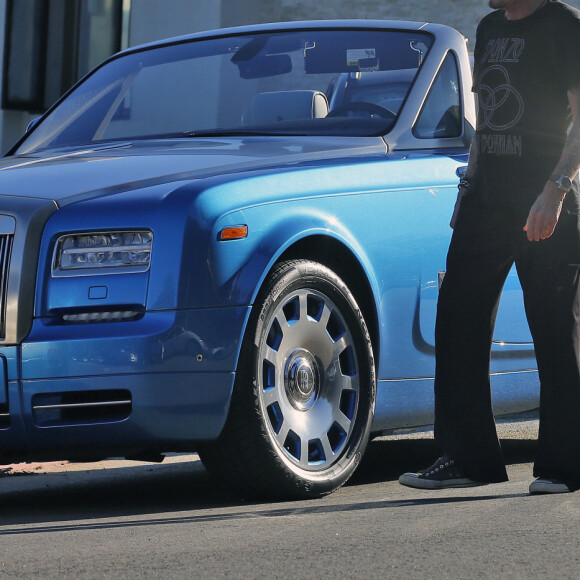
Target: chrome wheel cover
{"type": "Point", "coordinates": [308, 379]}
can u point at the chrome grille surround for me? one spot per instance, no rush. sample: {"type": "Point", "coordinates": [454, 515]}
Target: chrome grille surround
{"type": "Point", "coordinates": [22, 222]}
{"type": "Point", "coordinates": [6, 242]}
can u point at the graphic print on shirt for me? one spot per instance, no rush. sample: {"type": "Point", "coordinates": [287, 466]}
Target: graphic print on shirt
{"type": "Point", "coordinates": [501, 106]}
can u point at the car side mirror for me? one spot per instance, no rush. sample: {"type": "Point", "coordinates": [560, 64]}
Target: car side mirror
{"type": "Point", "coordinates": [32, 124]}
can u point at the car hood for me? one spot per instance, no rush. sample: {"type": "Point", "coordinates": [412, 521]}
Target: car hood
{"type": "Point", "coordinates": [71, 175]}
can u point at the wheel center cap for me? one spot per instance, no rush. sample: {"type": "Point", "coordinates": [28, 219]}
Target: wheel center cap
{"type": "Point", "coordinates": [302, 380]}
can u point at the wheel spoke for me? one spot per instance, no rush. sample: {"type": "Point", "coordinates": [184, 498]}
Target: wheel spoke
{"type": "Point", "coordinates": [303, 301]}
{"type": "Point", "coordinates": [304, 453]}
{"type": "Point", "coordinates": [328, 452]}
{"type": "Point", "coordinates": [270, 396]}
{"type": "Point", "coordinates": [349, 384]}
{"type": "Point", "coordinates": [342, 420]}
{"type": "Point", "coordinates": [339, 346]}
{"type": "Point", "coordinates": [283, 434]}
{"type": "Point", "coordinates": [340, 384]}
{"type": "Point", "coordinates": [271, 356]}
{"type": "Point", "coordinates": [324, 317]}
{"type": "Point", "coordinates": [282, 321]}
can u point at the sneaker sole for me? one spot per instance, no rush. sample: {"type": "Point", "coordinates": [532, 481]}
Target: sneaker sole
{"type": "Point", "coordinates": [544, 488]}
{"type": "Point", "coordinates": [419, 483]}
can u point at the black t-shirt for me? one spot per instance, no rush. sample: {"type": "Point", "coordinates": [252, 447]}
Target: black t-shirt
{"type": "Point", "coordinates": [522, 72]}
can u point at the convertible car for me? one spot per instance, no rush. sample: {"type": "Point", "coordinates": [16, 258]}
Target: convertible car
{"type": "Point", "coordinates": [232, 243]}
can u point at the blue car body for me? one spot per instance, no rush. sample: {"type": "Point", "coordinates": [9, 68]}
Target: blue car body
{"type": "Point", "coordinates": [100, 363]}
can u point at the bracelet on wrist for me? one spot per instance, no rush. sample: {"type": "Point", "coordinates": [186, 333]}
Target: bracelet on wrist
{"type": "Point", "coordinates": [464, 183]}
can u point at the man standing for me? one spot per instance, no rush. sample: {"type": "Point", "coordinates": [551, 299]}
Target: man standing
{"type": "Point", "coordinates": [519, 202]}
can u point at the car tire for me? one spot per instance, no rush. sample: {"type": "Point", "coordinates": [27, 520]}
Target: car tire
{"type": "Point", "coordinates": [304, 395]}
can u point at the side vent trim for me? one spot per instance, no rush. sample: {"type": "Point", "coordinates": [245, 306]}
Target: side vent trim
{"type": "Point", "coordinates": [4, 416]}
{"type": "Point", "coordinates": [81, 407]}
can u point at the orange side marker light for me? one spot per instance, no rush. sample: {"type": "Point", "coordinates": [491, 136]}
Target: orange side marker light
{"type": "Point", "coordinates": [233, 233]}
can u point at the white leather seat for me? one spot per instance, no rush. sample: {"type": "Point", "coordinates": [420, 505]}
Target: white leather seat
{"type": "Point", "coordinates": [268, 108]}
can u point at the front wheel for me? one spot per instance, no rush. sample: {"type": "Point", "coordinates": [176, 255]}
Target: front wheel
{"type": "Point", "coordinates": [304, 396]}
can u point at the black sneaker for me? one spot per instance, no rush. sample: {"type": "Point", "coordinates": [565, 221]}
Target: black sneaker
{"type": "Point", "coordinates": [542, 485]}
{"type": "Point", "coordinates": [442, 474]}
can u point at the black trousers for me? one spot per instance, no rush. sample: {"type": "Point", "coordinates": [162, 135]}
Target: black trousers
{"type": "Point", "coordinates": [485, 244]}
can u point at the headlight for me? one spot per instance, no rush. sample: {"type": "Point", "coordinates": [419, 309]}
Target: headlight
{"type": "Point", "coordinates": [102, 253]}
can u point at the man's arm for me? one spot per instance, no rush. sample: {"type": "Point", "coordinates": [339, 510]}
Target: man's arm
{"type": "Point", "coordinates": [545, 212]}
{"type": "Point", "coordinates": [469, 173]}
{"type": "Point", "coordinates": [472, 163]}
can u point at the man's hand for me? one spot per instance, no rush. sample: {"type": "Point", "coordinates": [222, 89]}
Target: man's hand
{"type": "Point", "coordinates": [545, 213]}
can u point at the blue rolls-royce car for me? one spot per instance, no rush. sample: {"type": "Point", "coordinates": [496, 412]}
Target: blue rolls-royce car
{"type": "Point", "coordinates": [232, 243]}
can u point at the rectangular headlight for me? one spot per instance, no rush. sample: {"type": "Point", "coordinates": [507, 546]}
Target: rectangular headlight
{"type": "Point", "coordinates": [102, 253]}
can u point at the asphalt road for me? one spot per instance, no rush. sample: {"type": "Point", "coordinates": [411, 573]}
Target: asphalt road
{"type": "Point", "coordinates": [146, 521]}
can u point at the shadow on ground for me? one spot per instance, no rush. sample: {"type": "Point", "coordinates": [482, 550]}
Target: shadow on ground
{"type": "Point", "coordinates": [385, 460]}
{"type": "Point", "coordinates": [140, 490]}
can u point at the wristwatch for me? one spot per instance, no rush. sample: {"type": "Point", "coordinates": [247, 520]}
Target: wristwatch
{"type": "Point", "coordinates": [563, 181]}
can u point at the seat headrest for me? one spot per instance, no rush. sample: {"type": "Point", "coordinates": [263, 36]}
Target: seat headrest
{"type": "Point", "coordinates": [267, 108]}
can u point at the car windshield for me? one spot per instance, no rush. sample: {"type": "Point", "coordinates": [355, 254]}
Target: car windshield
{"type": "Point", "coordinates": [301, 82]}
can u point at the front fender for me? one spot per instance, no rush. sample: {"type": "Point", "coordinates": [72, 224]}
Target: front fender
{"type": "Point", "coordinates": [241, 266]}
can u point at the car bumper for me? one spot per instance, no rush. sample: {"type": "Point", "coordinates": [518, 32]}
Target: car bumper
{"type": "Point", "coordinates": [163, 382]}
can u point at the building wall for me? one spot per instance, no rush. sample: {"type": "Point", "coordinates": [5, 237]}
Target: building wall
{"type": "Point", "coordinates": [465, 18]}
{"type": "Point", "coordinates": [156, 19]}
{"type": "Point", "coordinates": [460, 14]}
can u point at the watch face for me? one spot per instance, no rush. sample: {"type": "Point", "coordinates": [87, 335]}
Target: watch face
{"type": "Point", "coordinates": [565, 182]}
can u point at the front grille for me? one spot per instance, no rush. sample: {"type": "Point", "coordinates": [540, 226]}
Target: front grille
{"type": "Point", "coordinates": [81, 407]}
{"type": "Point", "coordinates": [6, 242]}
